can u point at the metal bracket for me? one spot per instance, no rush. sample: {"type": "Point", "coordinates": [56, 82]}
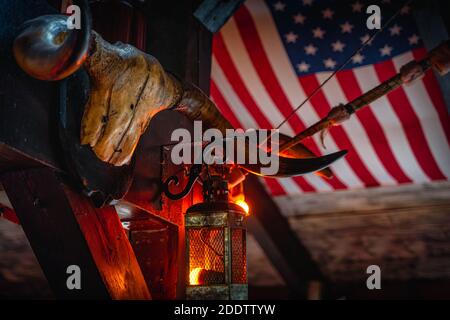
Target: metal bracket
{"type": "Point", "coordinates": [194, 173]}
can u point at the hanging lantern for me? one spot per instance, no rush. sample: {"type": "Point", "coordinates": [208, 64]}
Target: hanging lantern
{"type": "Point", "coordinates": [215, 246]}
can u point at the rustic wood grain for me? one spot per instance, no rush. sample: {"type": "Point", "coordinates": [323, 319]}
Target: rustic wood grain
{"type": "Point", "coordinates": [406, 196]}
{"type": "Point", "coordinates": [155, 245]}
{"type": "Point", "coordinates": [405, 230]}
{"type": "Point", "coordinates": [282, 246]}
{"type": "Point", "coordinates": [64, 228]}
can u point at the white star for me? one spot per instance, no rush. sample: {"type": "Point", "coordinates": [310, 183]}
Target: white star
{"type": "Point", "coordinates": [299, 18]}
{"type": "Point", "coordinates": [386, 51]}
{"type": "Point", "coordinates": [318, 33]}
{"type": "Point", "coordinates": [358, 58]}
{"type": "Point", "coordinates": [307, 2]}
{"type": "Point", "coordinates": [405, 10]}
{"type": "Point", "coordinates": [414, 39]}
{"type": "Point", "coordinates": [366, 38]}
{"type": "Point", "coordinates": [311, 50]}
{"type": "Point", "coordinates": [346, 27]}
{"type": "Point", "coordinates": [357, 6]}
{"type": "Point", "coordinates": [279, 6]}
{"type": "Point", "coordinates": [329, 63]}
{"type": "Point", "coordinates": [303, 67]}
{"type": "Point", "coordinates": [395, 30]}
{"type": "Point", "coordinates": [327, 13]}
{"type": "Point", "coordinates": [338, 46]}
{"type": "Point", "coordinates": [291, 37]}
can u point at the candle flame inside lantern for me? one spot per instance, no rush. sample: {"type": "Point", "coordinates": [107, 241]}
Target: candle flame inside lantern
{"type": "Point", "coordinates": [194, 276]}
{"type": "Point", "coordinates": [243, 205]}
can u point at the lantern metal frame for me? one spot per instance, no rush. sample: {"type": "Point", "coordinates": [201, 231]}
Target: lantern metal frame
{"type": "Point", "coordinates": [220, 215]}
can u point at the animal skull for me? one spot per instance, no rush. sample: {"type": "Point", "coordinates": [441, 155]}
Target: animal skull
{"type": "Point", "coordinates": [128, 87]}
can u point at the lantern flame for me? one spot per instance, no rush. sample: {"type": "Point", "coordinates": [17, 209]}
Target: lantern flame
{"type": "Point", "coordinates": [243, 205]}
{"type": "Point", "coordinates": [194, 276]}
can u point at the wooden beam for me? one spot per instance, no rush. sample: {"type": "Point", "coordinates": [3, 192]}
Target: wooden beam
{"type": "Point", "coordinates": [28, 126]}
{"type": "Point", "coordinates": [188, 55]}
{"type": "Point", "coordinates": [403, 229]}
{"type": "Point", "coordinates": [213, 14]}
{"type": "Point", "coordinates": [367, 201]}
{"type": "Point", "coordinates": [431, 21]}
{"type": "Point", "coordinates": [273, 233]}
{"type": "Point", "coordinates": [64, 229]}
{"type": "Point", "coordinates": [188, 51]}
{"type": "Point", "coordinates": [156, 247]}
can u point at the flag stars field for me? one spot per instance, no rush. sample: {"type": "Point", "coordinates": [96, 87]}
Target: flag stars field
{"type": "Point", "coordinates": [414, 39]}
{"type": "Point", "coordinates": [346, 27]}
{"type": "Point", "coordinates": [338, 46]}
{"type": "Point", "coordinates": [329, 63]}
{"type": "Point", "coordinates": [311, 50]}
{"type": "Point", "coordinates": [291, 37]}
{"type": "Point", "coordinates": [318, 33]}
{"type": "Point", "coordinates": [358, 58]}
{"type": "Point", "coordinates": [357, 6]}
{"type": "Point", "coordinates": [279, 6]}
{"type": "Point", "coordinates": [395, 30]}
{"type": "Point", "coordinates": [299, 19]}
{"type": "Point", "coordinates": [386, 51]}
{"type": "Point", "coordinates": [328, 13]}
{"type": "Point", "coordinates": [366, 38]}
{"type": "Point", "coordinates": [303, 67]}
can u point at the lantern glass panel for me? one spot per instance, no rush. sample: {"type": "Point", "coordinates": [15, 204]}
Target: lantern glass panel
{"type": "Point", "coordinates": [206, 256]}
{"type": "Point", "coordinates": [238, 256]}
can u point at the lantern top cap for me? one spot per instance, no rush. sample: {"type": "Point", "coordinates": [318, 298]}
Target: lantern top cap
{"type": "Point", "coordinates": [218, 214]}
{"type": "Point", "coordinates": [211, 207]}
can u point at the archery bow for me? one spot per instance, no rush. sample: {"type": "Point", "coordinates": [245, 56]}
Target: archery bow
{"type": "Point", "coordinates": [438, 59]}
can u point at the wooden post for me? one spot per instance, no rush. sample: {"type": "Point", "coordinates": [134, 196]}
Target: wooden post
{"type": "Point", "coordinates": [431, 18]}
{"type": "Point", "coordinates": [65, 229]}
{"type": "Point", "coordinates": [188, 55]}
{"type": "Point", "coordinates": [279, 242]}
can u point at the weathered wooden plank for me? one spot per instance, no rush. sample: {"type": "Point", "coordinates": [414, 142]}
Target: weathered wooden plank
{"type": "Point", "coordinates": [261, 272]}
{"type": "Point", "coordinates": [188, 53]}
{"type": "Point", "coordinates": [156, 247]}
{"type": "Point", "coordinates": [215, 13]}
{"type": "Point", "coordinates": [366, 200]}
{"type": "Point", "coordinates": [403, 229]}
{"type": "Point", "coordinates": [27, 106]}
{"type": "Point", "coordinates": [12, 159]}
{"type": "Point", "coordinates": [279, 242]}
{"type": "Point", "coordinates": [430, 19]}
{"type": "Point", "coordinates": [64, 229]}
{"type": "Point", "coordinates": [406, 244]}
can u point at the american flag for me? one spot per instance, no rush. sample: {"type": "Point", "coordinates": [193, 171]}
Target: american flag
{"type": "Point", "coordinates": [272, 54]}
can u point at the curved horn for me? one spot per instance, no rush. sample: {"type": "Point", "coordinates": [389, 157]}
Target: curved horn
{"type": "Point", "coordinates": [47, 49]}
{"type": "Point", "coordinates": [197, 106]}
{"type": "Point", "coordinates": [287, 166]}
{"type": "Point", "coordinates": [300, 151]}
{"type": "Point", "coordinates": [295, 166]}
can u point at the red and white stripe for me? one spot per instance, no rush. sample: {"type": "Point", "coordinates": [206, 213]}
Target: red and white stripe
{"type": "Point", "coordinates": [401, 138]}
